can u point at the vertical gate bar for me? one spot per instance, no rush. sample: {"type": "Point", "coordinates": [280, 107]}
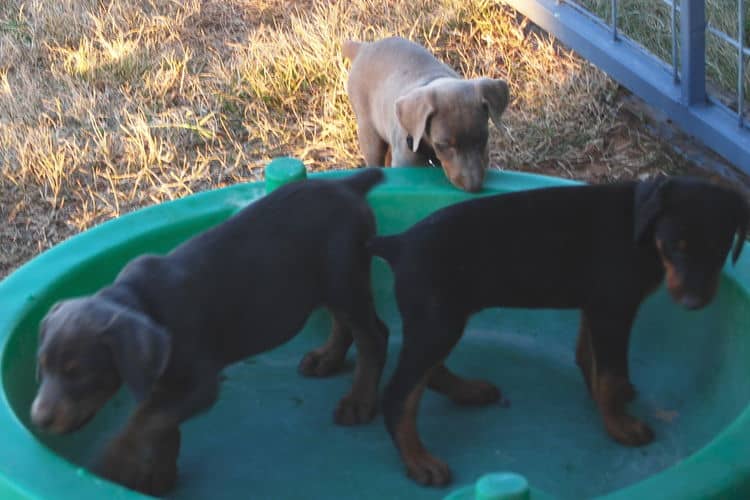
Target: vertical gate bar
{"type": "Point", "coordinates": [614, 19]}
{"type": "Point", "coordinates": [687, 102]}
{"type": "Point", "coordinates": [674, 41]}
{"type": "Point", "coordinates": [693, 36]}
{"type": "Point", "coordinates": [741, 63]}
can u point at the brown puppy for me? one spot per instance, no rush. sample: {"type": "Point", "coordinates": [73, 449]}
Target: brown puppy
{"type": "Point", "coordinates": [416, 108]}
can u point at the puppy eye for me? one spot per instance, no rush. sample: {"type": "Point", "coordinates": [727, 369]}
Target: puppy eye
{"type": "Point", "coordinates": [71, 369]}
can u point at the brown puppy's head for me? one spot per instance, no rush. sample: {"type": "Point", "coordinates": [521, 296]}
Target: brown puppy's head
{"type": "Point", "coordinates": [87, 347]}
{"type": "Point", "coordinates": [692, 223]}
{"type": "Point", "coordinates": [450, 116]}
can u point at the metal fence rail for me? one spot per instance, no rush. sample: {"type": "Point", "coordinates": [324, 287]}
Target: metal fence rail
{"type": "Point", "coordinates": [679, 88]}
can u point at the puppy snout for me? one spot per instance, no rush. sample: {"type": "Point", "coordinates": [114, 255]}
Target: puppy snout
{"type": "Point", "coordinates": [471, 184]}
{"type": "Point", "coordinates": [474, 186]}
{"type": "Point", "coordinates": [52, 411]}
{"type": "Point", "coordinates": [42, 413]}
{"type": "Point", "coordinates": [467, 181]}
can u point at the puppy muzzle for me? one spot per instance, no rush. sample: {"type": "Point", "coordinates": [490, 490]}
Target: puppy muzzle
{"type": "Point", "coordinates": [469, 180]}
{"type": "Point", "coordinates": [55, 413]}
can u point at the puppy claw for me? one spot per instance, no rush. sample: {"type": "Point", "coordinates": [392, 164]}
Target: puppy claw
{"type": "Point", "coordinates": [316, 364]}
{"type": "Point", "coordinates": [428, 470]}
{"type": "Point", "coordinates": [628, 430]}
{"type": "Point", "coordinates": [478, 393]}
{"type": "Point", "coordinates": [353, 411]}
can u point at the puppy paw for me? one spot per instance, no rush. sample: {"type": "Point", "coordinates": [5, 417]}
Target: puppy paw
{"type": "Point", "coordinates": [320, 364]}
{"type": "Point", "coordinates": [353, 410]}
{"type": "Point", "coordinates": [628, 430]}
{"type": "Point", "coordinates": [147, 467]}
{"type": "Point", "coordinates": [427, 470]}
{"type": "Point", "coordinates": [477, 393]}
{"type": "Point", "coordinates": [627, 392]}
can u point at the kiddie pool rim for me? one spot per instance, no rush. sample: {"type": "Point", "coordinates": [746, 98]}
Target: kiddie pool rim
{"type": "Point", "coordinates": [29, 470]}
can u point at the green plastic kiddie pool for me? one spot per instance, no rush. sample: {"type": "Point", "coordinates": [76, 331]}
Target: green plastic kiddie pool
{"type": "Point", "coordinates": [271, 435]}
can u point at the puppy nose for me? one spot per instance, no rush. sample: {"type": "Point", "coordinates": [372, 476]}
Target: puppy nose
{"type": "Point", "coordinates": [690, 301]}
{"type": "Point", "coordinates": [41, 414]}
{"type": "Point", "coordinates": [473, 187]}
{"type": "Point", "coordinates": [466, 182]}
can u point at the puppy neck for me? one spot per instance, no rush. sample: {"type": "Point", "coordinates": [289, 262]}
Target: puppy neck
{"type": "Point", "coordinates": [122, 294]}
{"type": "Point", "coordinates": [437, 80]}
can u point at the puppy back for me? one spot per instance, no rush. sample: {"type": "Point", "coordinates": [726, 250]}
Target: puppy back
{"type": "Point", "coordinates": [362, 182]}
{"type": "Point", "coordinates": [350, 49]}
{"type": "Point", "coordinates": [386, 247]}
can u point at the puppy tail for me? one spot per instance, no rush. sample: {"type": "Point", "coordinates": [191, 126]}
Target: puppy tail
{"type": "Point", "coordinates": [350, 49]}
{"type": "Point", "coordinates": [364, 180]}
{"type": "Point", "coordinates": [386, 247]}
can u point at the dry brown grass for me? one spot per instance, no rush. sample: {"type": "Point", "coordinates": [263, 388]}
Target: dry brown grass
{"type": "Point", "coordinates": [106, 106]}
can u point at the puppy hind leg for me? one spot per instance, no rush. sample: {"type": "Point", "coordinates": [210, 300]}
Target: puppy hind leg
{"type": "Point", "coordinates": [460, 390]}
{"type": "Point", "coordinates": [329, 358]}
{"type": "Point", "coordinates": [360, 404]}
{"type": "Point", "coordinates": [349, 294]}
{"type": "Point", "coordinates": [404, 392]}
{"type": "Point", "coordinates": [371, 338]}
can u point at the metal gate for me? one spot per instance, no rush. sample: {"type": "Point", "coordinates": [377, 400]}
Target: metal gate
{"type": "Point", "coordinates": [679, 88]}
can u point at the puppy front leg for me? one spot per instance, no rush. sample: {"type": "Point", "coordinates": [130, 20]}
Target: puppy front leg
{"type": "Point", "coordinates": [402, 156]}
{"type": "Point", "coordinates": [143, 456]}
{"type": "Point", "coordinates": [610, 387]}
{"type": "Point", "coordinates": [374, 148]}
{"type": "Point", "coordinates": [585, 361]}
{"type": "Point", "coordinates": [584, 353]}
{"type": "Point", "coordinates": [142, 459]}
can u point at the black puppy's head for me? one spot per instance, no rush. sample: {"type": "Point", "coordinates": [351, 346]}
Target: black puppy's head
{"type": "Point", "coordinates": [693, 224]}
{"type": "Point", "coordinates": [87, 348]}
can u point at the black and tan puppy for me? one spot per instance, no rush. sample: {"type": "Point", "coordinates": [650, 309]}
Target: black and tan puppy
{"type": "Point", "coordinates": [168, 324]}
{"type": "Point", "coordinates": [600, 249]}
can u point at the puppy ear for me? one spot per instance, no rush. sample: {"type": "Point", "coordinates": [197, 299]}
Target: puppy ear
{"type": "Point", "coordinates": [139, 346]}
{"type": "Point", "coordinates": [495, 94]}
{"type": "Point", "coordinates": [647, 206]}
{"type": "Point", "coordinates": [743, 218]}
{"type": "Point", "coordinates": [45, 320]}
{"type": "Point", "coordinates": [43, 332]}
{"type": "Point", "coordinates": [413, 112]}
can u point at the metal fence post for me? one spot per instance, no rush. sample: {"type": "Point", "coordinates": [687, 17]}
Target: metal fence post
{"type": "Point", "coordinates": [741, 63]}
{"type": "Point", "coordinates": [686, 101]}
{"type": "Point", "coordinates": [693, 51]}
